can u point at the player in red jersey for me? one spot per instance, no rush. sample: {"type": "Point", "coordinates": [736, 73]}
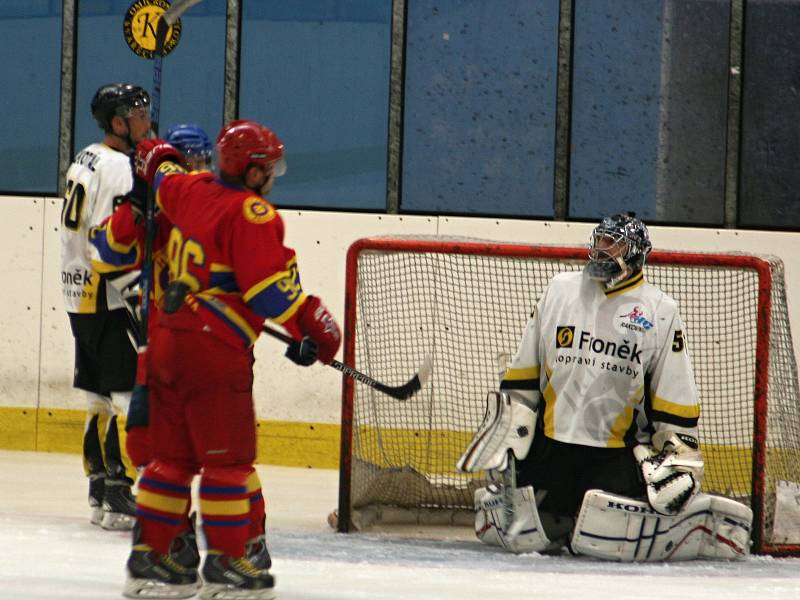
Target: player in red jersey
{"type": "Point", "coordinates": [118, 244]}
{"type": "Point", "coordinates": [225, 251]}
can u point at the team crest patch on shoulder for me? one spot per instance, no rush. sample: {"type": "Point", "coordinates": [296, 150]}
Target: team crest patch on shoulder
{"type": "Point", "coordinates": [257, 210]}
{"type": "Point", "coordinates": [139, 27]}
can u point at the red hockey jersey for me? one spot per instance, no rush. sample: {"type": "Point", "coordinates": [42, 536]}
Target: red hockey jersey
{"type": "Point", "coordinates": [226, 244]}
{"type": "Point", "coordinates": [117, 244]}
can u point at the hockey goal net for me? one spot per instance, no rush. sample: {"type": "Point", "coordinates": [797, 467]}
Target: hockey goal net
{"type": "Point", "coordinates": [465, 303]}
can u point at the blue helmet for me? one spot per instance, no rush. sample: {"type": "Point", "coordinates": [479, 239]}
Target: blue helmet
{"type": "Point", "coordinates": [631, 244]}
{"type": "Point", "coordinates": [191, 140]}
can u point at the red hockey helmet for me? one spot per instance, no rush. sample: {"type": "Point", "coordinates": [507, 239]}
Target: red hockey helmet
{"type": "Point", "coordinates": [243, 143]}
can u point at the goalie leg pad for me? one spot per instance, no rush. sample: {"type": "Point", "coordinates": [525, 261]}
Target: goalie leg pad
{"type": "Point", "coordinates": [618, 528]}
{"type": "Point", "coordinates": [518, 530]}
{"type": "Point", "coordinates": [509, 424]}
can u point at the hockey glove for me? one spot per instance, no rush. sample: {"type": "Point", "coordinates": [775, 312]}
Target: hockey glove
{"type": "Point", "coordinates": [138, 408]}
{"type": "Point", "coordinates": [137, 439]}
{"type": "Point", "coordinates": [316, 322]}
{"type": "Point", "coordinates": [137, 196]}
{"type": "Point", "coordinates": [150, 153]}
{"type": "Point", "coordinates": [303, 352]}
{"type": "Point", "coordinates": [672, 469]}
{"type": "Point", "coordinates": [174, 296]}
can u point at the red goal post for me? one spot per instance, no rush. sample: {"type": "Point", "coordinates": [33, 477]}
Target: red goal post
{"type": "Point", "coordinates": [465, 302]}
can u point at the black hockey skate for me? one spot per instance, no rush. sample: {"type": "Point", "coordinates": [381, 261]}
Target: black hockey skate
{"type": "Point", "coordinates": [256, 552]}
{"type": "Point", "coordinates": [154, 575]}
{"type": "Point", "coordinates": [229, 578]}
{"type": "Point", "coordinates": [97, 486]}
{"type": "Point", "coordinates": [119, 505]}
{"type": "Point", "coordinates": [183, 549]}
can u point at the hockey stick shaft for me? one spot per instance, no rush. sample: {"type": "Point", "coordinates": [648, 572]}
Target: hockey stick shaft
{"type": "Point", "coordinates": [400, 392]}
{"type": "Point", "coordinates": [138, 409]}
{"type": "Point", "coordinates": [509, 485]}
{"type": "Point", "coordinates": [167, 20]}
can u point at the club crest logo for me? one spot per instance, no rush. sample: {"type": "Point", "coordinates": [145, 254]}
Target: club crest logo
{"type": "Point", "coordinates": [140, 26]}
{"type": "Point", "coordinates": [632, 317]}
{"type": "Point", "coordinates": [257, 210]}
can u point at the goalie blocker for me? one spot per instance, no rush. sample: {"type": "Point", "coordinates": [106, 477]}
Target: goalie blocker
{"type": "Point", "coordinates": [509, 424]}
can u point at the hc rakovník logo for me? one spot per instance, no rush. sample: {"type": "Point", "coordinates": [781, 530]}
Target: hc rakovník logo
{"type": "Point", "coordinates": [637, 316]}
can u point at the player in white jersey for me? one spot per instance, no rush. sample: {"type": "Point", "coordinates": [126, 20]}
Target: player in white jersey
{"type": "Point", "coordinates": [105, 358]}
{"type": "Point", "coordinates": [600, 396]}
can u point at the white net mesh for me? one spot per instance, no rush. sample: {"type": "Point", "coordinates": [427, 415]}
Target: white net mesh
{"type": "Point", "coordinates": [467, 309]}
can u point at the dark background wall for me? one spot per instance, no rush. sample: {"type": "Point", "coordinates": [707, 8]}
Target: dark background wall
{"type": "Point", "coordinates": [682, 110]}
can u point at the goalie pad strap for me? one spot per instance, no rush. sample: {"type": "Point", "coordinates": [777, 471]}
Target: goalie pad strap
{"type": "Point", "coordinates": [623, 529]}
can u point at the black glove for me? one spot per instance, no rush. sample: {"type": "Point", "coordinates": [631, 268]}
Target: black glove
{"type": "Point", "coordinates": [138, 409]}
{"type": "Point", "coordinates": [137, 197]}
{"type": "Point", "coordinates": [174, 296]}
{"type": "Point", "coordinates": [303, 352]}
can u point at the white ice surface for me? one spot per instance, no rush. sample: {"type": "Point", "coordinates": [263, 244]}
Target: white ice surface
{"type": "Point", "coordinates": [49, 551]}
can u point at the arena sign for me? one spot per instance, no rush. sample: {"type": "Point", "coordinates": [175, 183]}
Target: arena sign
{"type": "Point", "coordinates": [140, 24]}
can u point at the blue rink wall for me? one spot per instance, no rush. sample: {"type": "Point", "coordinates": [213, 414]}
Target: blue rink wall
{"type": "Point", "coordinates": [454, 107]}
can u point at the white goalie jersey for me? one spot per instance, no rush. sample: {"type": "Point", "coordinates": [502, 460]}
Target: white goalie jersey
{"type": "Point", "coordinates": [97, 176]}
{"type": "Point", "coordinates": [611, 365]}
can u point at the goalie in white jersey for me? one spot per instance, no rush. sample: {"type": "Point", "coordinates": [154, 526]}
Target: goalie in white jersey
{"type": "Point", "coordinates": [592, 440]}
{"type": "Point", "coordinates": [105, 358]}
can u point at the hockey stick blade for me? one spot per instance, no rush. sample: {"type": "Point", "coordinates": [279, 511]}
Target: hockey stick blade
{"type": "Point", "coordinates": [176, 9]}
{"type": "Point", "coordinates": [400, 392]}
{"type": "Point", "coordinates": [167, 20]}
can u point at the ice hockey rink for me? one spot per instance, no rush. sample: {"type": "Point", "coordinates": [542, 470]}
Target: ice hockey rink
{"type": "Point", "coordinates": [49, 551]}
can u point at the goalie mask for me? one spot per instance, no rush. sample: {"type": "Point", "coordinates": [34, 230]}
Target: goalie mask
{"type": "Point", "coordinates": [619, 246]}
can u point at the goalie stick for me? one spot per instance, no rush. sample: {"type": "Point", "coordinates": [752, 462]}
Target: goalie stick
{"type": "Point", "coordinates": [400, 392]}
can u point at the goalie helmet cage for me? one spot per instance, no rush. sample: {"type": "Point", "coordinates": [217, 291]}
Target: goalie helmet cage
{"type": "Point", "coordinates": [465, 302]}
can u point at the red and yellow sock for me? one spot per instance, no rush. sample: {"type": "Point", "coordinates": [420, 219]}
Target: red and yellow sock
{"type": "Point", "coordinates": [162, 503]}
{"type": "Point", "coordinates": [225, 507]}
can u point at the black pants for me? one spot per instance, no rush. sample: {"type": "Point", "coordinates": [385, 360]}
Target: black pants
{"type": "Point", "coordinates": [567, 471]}
{"type": "Point", "coordinates": [105, 362]}
{"type": "Point", "coordinates": [105, 359]}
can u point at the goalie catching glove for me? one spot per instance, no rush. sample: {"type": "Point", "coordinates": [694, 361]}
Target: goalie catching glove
{"type": "Point", "coordinates": [508, 424]}
{"type": "Point", "coordinates": [672, 469]}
